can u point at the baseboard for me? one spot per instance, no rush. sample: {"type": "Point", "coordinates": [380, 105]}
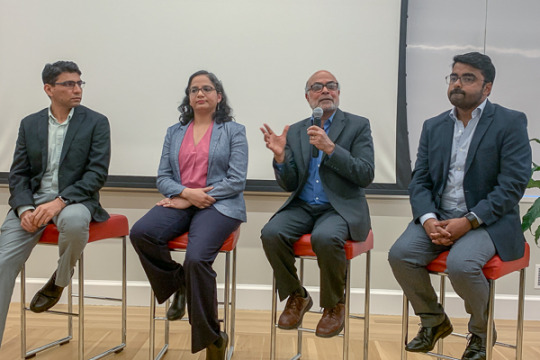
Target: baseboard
{"type": "Point", "coordinates": [259, 297]}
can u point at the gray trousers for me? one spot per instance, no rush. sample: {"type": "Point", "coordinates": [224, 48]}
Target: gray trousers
{"type": "Point", "coordinates": [16, 244]}
{"type": "Point", "coordinates": [413, 251]}
{"type": "Point", "coordinates": [329, 231]}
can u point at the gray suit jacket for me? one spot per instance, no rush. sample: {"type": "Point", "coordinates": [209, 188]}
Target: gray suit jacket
{"type": "Point", "coordinates": [497, 170]}
{"type": "Point", "coordinates": [84, 161]}
{"type": "Point", "coordinates": [227, 167]}
{"type": "Point", "coordinates": [344, 175]}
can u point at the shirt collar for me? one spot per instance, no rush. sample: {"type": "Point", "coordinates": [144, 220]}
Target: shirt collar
{"type": "Point", "coordinates": [328, 121]}
{"type": "Point", "coordinates": [54, 121]}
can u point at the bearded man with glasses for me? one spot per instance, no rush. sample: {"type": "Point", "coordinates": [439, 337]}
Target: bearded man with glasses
{"type": "Point", "coordinates": [60, 163]}
{"type": "Point", "coordinates": [326, 166]}
{"type": "Point", "coordinates": [472, 168]}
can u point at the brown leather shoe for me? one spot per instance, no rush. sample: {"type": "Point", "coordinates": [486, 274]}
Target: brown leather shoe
{"type": "Point", "coordinates": [332, 321]}
{"type": "Point", "coordinates": [294, 311]}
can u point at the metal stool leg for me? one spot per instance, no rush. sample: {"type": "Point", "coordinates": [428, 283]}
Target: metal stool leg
{"type": "Point", "coordinates": [442, 298]}
{"type": "Point", "coordinates": [404, 327]}
{"type": "Point", "coordinates": [367, 304]}
{"type": "Point", "coordinates": [274, 320]}
{"type": "Point", "coordinates": [521, 306]}
{"type": "Point", "coordinates": [233, 307]}
{"type": "Point", "coordinates": [347, 311]}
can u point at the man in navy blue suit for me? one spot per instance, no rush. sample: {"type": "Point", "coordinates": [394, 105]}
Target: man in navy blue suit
{"type": "Point", "coordinates": [472, 168]}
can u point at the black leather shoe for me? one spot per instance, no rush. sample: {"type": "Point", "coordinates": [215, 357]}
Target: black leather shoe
{"type": "Point", "coordinates": [427, 336]}
{"type": "Point", "coordinates": [475, 350]}
{"type": "Point", "coordinates": [177, 310]}
{"type": "Point", "coordinates": [216, 351]}
{"type": "Point", "coordinates": [47, 296]}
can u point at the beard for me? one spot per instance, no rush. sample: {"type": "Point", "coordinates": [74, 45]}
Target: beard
{"type": "Point", "coordinates": [463, 100]}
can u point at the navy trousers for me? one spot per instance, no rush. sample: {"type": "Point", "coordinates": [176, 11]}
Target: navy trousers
{"type": "Point", "coordinates": [208, 229]}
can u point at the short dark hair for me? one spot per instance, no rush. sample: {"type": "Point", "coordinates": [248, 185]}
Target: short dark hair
{"type": "Point", "coordinates": [223, 111]}
{"type": "Point", "coordinates": [479, 61]}
{"type": "Point", "coordinates": [51, 72]}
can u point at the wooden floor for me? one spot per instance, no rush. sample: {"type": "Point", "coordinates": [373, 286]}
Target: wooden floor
{"type": "Point", "coordinates": [252, 337]}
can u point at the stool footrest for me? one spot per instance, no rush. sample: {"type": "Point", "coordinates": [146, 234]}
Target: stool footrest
{"type": "Point", "coordinates": [115, 349]}
{"type": "Point", "coordinates": [62, 341]}
{"type": "Point", "coordinates": [441, 356]}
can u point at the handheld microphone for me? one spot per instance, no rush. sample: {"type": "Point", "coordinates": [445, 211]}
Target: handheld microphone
{"type": "Point", "coordinates": [317, 113]}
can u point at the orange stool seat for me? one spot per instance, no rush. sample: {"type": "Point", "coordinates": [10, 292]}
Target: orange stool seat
{"type": "Point", "coordinates": [181, 242]}
{"type": "Point", "coordinates": [228, 248]}
{"type": "Point", "coordinates": [115, 227]}
{"type": "Point", "coordinates": [494, 269]}
{"type": "Point", "coordinates": [303, 250]}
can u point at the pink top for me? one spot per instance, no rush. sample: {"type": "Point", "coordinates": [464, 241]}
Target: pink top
{"type": "Point", "coordinates": [193, 159]}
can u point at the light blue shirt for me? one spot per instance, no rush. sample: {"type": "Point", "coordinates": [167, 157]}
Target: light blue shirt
{"type": "Point", "coordinates": [49, 183]}
{"type": "Point", "coordinates": [453, 197]}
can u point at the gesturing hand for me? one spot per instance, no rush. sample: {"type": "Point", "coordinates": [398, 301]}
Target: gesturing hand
{"type": "Point", "coordinates": [275, 142]}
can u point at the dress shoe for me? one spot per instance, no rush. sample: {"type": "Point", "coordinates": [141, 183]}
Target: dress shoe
{"type": "Point", "coordinates": [427, 336]}
{"type": "Point", "coordinates": [475, 350]}
{"type": "Point", "coordinates": [332, 321]}
{"type": "Point", "coordinates": [294, 311]}
{"type": "Point", "coordinates": [47, 296]}
{"type": "Point", "coordinates": [216, 351]}
{"type": "Point", "coordinates": [177, 310]}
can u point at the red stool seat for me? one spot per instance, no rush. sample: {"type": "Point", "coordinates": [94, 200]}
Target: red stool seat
{"type": "Point", "coordinates": [494, 268]}
{"type": "Point", "coordinates": [303, 250]}
{"type": "Point", "coordinates": [182, 241]}
{"type": "Point", "coordinates": [352, 248]}
{"type": "Point", "coordinates": [115, 226]}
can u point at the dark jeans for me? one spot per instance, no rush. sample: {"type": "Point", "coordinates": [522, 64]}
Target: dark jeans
{"type": "Point", "coordinates": [208, 229]}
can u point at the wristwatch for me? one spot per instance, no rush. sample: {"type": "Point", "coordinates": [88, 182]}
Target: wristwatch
{"type": "Point", "coordinates": [472, 219]}
{"type": "Point", "coordinates": [65, 201]}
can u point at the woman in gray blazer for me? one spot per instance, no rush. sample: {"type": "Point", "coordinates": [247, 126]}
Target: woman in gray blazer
{"type": "Point", "coordinates": [202, 175]}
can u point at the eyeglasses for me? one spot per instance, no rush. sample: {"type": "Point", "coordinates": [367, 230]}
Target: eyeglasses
{"type": "Point", "coordinates": [466, 79]}
{"type": "Point", "coordinates": [318, 87]}
{"type": "Point", "coordinates": [207, 89]}
{"type": "Point", "coordinates": [71, 84]}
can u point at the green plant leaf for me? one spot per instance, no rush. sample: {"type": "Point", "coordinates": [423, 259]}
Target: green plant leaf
{"type": "Point", "coordinates": [537, 235]}
{"type": "Point", "coordinates": [535, 139]}
{"type": "Point", "coordinates": [532, 214]}
{"type": "Point", "coordinates": [533, 184]}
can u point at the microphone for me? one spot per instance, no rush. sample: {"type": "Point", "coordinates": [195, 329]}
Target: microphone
{"type": "Point", "coordinates": [317, 113]}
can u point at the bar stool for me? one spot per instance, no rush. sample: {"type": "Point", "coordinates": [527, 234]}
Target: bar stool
{"type": "Point", "coordinates": [179, 244]}
{"type": "Point", "coordinates": [302, 250]}
{"type": "Point", "coordinates": [493, 270]}
{"type": "Point", "coordinates": [115, 227]}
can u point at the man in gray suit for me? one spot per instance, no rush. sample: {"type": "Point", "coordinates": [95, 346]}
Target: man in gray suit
{"type": "Point", "coordinates": [327, 201]}
{"type": "Point", "coordinates": [472, 167]}
{"type": "Point", "coordinates": [60, 163]}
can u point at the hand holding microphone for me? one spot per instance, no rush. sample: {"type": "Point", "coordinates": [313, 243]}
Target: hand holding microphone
{"type": "Point", "coordinates": [317, 114]}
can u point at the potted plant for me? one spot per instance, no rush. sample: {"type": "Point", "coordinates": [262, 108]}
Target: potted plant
{"type": "Point", "coordinates": [534, 211]}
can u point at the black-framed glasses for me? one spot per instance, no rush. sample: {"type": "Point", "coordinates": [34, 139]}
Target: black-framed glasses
{"type": "Point", "coordinates": [466, 79]}
{"type": "Point", "coordinates": [318, 87]}
{"type": "Point", "coordinates": [71, 84]}
{"type": "Point", "coordinates": [206, 89]}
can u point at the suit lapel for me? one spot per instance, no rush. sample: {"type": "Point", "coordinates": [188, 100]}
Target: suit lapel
{"type": "Point", "coordinates": [43, 136]}
{"type": "Point", "coordinates": [479, 132]}
{"type": "Point", "coordinates": [338, 124]}
{"type": "Point", "coordinates": [304, 143]}
{"type": "Point", "coordinates": [217, 132]}
{"type": "Point", "coordinates": [446, 138]}
{"type": "Point", "coordinates": [174, 149]}
{"type": "Point", "coordinates": [74, 125]}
